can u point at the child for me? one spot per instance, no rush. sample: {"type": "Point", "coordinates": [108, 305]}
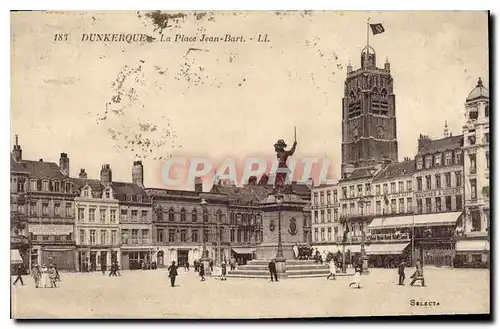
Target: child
{"type": "Point", "coordinates": [333, 269]}
{"type": "Point", "coordinates": [357, 279]}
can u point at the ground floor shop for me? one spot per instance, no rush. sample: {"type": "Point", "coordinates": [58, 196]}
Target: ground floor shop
{"type": "Point", "coordinates": [472, 253]}
{"type": "Point", "coordinates": [96, 259]}
{"type": "Point", "coordinates": [63, 257]}
{"type": "Point", "coordinates": [243, 255]}
{"type": "Point", "coordinates": [165, 255]}
{"type": "Point", "coordinates": [136, 258]}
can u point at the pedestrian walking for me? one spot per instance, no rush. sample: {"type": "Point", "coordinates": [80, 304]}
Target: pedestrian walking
{"type": "Point", "coordinates": [202, 271]}
{"type": "Point", "coordinates": [187, 265]}
{"type": "Point", "coordinates": [19, 273]}
{"type": "Point", "coordinates": [211, 264]}
{"type": "Point", "coordinates": [296, 250]}
{"type": "Point", "coordinates": [44, 279]}
{"type": "Point", "coordinates": [172, 273]}
{"type": "Point", "coordinates": [35, 273]}
{"type": "Point", "coordinates": [418, 275]}
{"type": "Point", "coordinates": [272, 270]}
{"type": "Point", "coordinates": [233, 263]}
{"type": "Point", "coordinates": [52, 276]}
{"type": "Point", "coordinates": [103, 269]}
{"type": "Point", "coordinates": [112, 269]}
{"type": "Point", "coordinates": [356, 281]}
{"type": "Point", "coordinates": [333, 270]}
{"type": "Point", "coordinates": [223, 271]}
{"type": "Point", "coordinates": [401, 272]}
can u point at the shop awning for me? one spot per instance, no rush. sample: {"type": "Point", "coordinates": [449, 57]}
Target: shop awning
{"type": "Point", "coordinates": [386, 248]}
{"type": "Point", "coordinates": [244, 251]}
{"type": "Point", "coordinates": [40, 229]}
{"type": "Point", "coordinates": [15, 257]}
{"type": "Point", "coordinates": [438, 219]}
{"type": "Point", "coordinates": [472, 245]}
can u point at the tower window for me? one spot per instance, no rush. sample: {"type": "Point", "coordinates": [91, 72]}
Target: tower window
{"type": "Point", "coordinates": [487, 111]}
{"type": "Point", "coordinates": [473, 113]}
{"type": "Point", "coordinates": [354, 109]}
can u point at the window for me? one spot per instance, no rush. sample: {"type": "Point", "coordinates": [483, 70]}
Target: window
{"type": "Point", "coordinates": [45, 209]}
{"type": "Point", "coordinates": [104, 239]}
{"type": "Point", "coordinates": [377, 189]}
{"type": "Point", "coordinates": [473, 189]}
{"type": "Point", "coordinates": [322, 194]}
{"type": "Point", "coordinates": [194, 236]}
{"type": "Point", "coordinates": [438, 204]}
{"type": "Point", "coordinates": [458, 157]}
{"type": "Point", "coordinates": [69, 210]}
{"type": "Point", "coordinates": [401, 186]}
{"type": "Point", "coordinates": [57, 186]}
{"type": "Point", "coordinates": [386, 188]}
{"type": "Point", "coordinates": [113, 237]}
{"type": "Point", "coordinates": [171, 216]}
{"type": "Point", "coordinates": [329, 216]}
{"type": "Point", "coordinates": [419, 206]}
{"type": "Point", "coordinates": [428, 184]}
{"type": "Point", "coordinates": [447, 158]}
{"type": "Point", "coordinates": [322, 234]}
{"type": "Point", "coordinates": [171, 235]}
{"type": "Point", "coordinates": [134, 215]}
{"type": "Point", "coordinates": [473, 113]}
{"type": "Point", "coordinates": [329, 234]}
{"type": "Point", "coordinates": [351, 209]}
{"type": "Point", "coordinates": [438, 180]}
{"type": "Point", "coordinates": [92, 215]}
{"type": "Point", "coordinates": [368, 188]}
{"type": "Point", "coordinates": [448, 203]}
{"type": "Point", "coordinates": [487, 111]}
{"type": "Point", "coordinates": [472, 159]}
{"type": "Point", "coordinates": [45, 185]}
{"type": "Point", "coordinates": [123, 215]}
{"type": "Point", "coordinates": [159, 235]}
{"type": "Point", "coordinates": [112, 215]}
{"type": "Point", "coordinates": [393, 206]}
{"type": "Point", "coordinates": [68, 187]}
{"type": "Point", "coordinates": [351, 191]}
{"type": "Point", "coordinates": [57, 209]}
{"type": "Point", "coordinates": [81, 212]}
{"type": "Point", "coordinates": [487, 138]}
{"type": "Point", "coordinates": [82, 237]}
{"type": "Point", "coordinates": [125, 236]}
{"type": "Point", "coordinates": [360, 190]}
{"type": "Point", "coordinates": [428, 205]}
{"type": "Point", "coordinates": [458, 199]}
{"type": "Point", "coordinates": [419, 163]}
{"type": "Point", "coordinates": [92, 237]}
{"type": "Point", "coordinates": [428, 161]}
{"type": "Point", "coordinates": [316, 198]}
{"type": "Point", "coordinates": [135, 236]}
{"type": "Point", "coordinates": [102, 215]}
{"type": "Point", "coordinates": [335, 198]}
{"type": "Point", "coordinates": [322, 216]}
{"type": "Point", "coordinates": [401, 205]}
{"type": "Point", "coordinates": [419, 183]}
{"type": "Point", "coordinates": [335, 215]}
{"type": "Point", "coordinates": [409, 186]}
{"type": "Point", "coordinates": [488, 160]}
{"type": "Point", "coordinates": [447, 179]}
{"type": "Point", "coordinates": [328, 197]}
{"type": "Point", "coordinates": [232, 235]}
{"type": "Point", "coordinates": [476, 220]}
{"type": "Point", "coordinates": [437, 160]}
{"type": "Point", "coordinates": [315, 234]}
{"type": "Point", "coordinates": [409, 205]}
{"type": "Point", "coordinates": [205, 215]}
{"type": "Point", "coordinates": [378, 206]}
{"type": "Point", "coordinates": [194, 215]}
{"type": "Point", "coordinates": [245, 234]}
{"type": "Point", "coordinates": [238, 235]}
{"type": "Point", "coordinates": [344, 192]}
{"type": "Point", "coordinates": [344, 209]}
{"type": "Point", "coordinates": [316, 217]}
{"type": "Point", "coordinates": [145, 236]}
{"type": "Point", "coordinates": [144, 216]}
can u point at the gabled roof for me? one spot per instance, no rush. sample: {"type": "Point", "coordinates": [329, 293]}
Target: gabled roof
{"type": "Point", "coordinates": [121, 190]}
{"type": "Point", "coordinates": [394, 170]}
{"type": "Point", "coordinates": [96, 185]}
{"type": "Point", "coordinates": [42, 169]}
{"type": "Point", "coordinates": [442, 145]}
{"type": "Point", "coordinates": [365, 172]}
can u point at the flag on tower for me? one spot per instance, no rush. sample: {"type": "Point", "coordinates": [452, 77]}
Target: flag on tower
{"type": "Point", "coordinates": [377, 28]}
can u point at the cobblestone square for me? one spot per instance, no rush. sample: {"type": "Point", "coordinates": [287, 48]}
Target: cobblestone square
{"type": "Point", "coordinates": [147, 294]}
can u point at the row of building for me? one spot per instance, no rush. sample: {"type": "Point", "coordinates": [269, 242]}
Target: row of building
{"type": "Point", "coordinates": [435, 206]}
{"type": "Point", "coordinates": [85, 224]}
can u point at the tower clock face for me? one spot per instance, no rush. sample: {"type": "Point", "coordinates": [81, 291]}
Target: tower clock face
{"type": "Point", "coordinates": [355, 133]}
{"type": "Point", "coordinates": [380, 132]}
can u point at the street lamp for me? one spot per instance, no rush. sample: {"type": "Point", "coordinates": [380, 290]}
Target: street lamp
{"type": "Point", "coordinates": [204, 254]}
{"type": "Point", "coordinates": [279, 254]}
{"type": "Point", "coordinates": [364, 258]}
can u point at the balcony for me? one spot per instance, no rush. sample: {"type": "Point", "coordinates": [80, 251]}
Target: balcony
{"type": "Point", "coordinates": [355, 217]}
{"type": "Point", "coordinates": [389, 237]}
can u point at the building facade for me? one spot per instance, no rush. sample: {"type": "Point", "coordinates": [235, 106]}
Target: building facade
{"type": "Point", "coordinates": [473, 248]}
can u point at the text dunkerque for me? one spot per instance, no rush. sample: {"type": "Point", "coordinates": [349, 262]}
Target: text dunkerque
{"type": "Point", "coordinates": [178, 38]}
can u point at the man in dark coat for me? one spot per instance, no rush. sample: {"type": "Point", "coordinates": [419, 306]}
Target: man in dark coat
{"type": "Point", "coordinates": [19, 273]}
{"type": "Point", "coordinates": [172, 273]}
{"type": "Point", "coordinates": [202, 271]}
{"type": "Point", "coordinates": [401, 272]}
{"type": "Point", "coordinates": [272, 270]}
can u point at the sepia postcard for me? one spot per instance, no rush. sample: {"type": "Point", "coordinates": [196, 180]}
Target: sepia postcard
{"type": "Point", "coordinates": [249, 164]}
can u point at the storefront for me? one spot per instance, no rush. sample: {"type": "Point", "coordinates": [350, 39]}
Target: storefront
{"type": "Point", "coordinates": [134, 259]}
{"type": "Point", "coordinates": [388, 255]}
{"type": "Point", "coordinates": [243, 255]}
{"type": "Point", "coordinates": [472, 253]}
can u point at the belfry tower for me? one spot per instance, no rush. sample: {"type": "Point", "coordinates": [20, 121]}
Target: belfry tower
{"type": "Point", "coordinates": [368, 115]}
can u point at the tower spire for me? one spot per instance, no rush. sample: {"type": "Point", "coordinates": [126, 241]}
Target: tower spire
{"type": "Point", "coordinates": [446, 131]}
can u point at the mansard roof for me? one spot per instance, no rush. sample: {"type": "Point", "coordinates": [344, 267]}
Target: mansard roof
{"type": "Point", "coordinates": [395, 170]}
{"type": "Point", "coordinates": [442, 145]}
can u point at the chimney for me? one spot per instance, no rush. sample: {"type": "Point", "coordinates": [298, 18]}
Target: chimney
{"type": "Point", "coordinates": [198, 184]}
{"type": "Point", "coordinates": [64, 164]}
{"type": "Point", "coordinates": [17, 152]}
{"type": "Point", "coordinates": [252, 180]}
{"type": "Point", "coordinates": [83, 174]}
{"type": "Point", "coordinates": [106, 175]}
{"type": "Point", "coordinates": [349, 67]}
{"type": "Point", "coordinates": [446, 131]}
{"type": "Point", "coordinates": [423, 141]}
{"type": "Point", "coordinates": [138, 173]}
{"type": "Point", "coordinates": [387, 65]}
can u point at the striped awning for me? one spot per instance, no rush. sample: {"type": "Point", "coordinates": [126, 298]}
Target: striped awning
{"type": "Point", "coordinates": [244, 251]}
{"type": "Point", "coordinates": [424, 220]}
{"type": "Point", "coordinates": [386, 248]}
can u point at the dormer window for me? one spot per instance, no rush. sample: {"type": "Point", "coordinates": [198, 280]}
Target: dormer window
{"type": "Point", "coordinates": [139, 198]}
{"type": "Point", "coordinates": [68, 187]}
{"type": "Point", "coordinates": [437, 160]}
{"type": "Point", "coordinates": [428, 161]}
{"type": "Point", "coordinates": [419, 163]}
{"type": "Point", "coordinates": [57, 186]}
{"type": "Point", "coordinates": [129, 197]}
{"type": "Point", "coordinates": [45, 185]}
{"type": "Point", "coordinates": [86, 192]}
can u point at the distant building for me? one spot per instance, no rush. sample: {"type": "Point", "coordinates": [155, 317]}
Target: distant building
{"type": "Point", "coordinates": [476, 141]}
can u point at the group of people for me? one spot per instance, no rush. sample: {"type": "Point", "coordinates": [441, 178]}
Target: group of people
{"type": "Point", "coordinates": [418, 275]}
{"type": "Point", "coordinates": [45, 276]}
{"type": "Point", "coordinates": [114, 270]}
{"type": "Point", "coordinates": [198, 267]}
{"type": "Point", "coordinates": [302, 251]}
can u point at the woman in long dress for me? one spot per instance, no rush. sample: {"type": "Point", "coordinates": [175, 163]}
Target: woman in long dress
{"type": "Point", "coordinates": [44, 278]}
{"type": "Point", "coordinates": [36, 275]}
